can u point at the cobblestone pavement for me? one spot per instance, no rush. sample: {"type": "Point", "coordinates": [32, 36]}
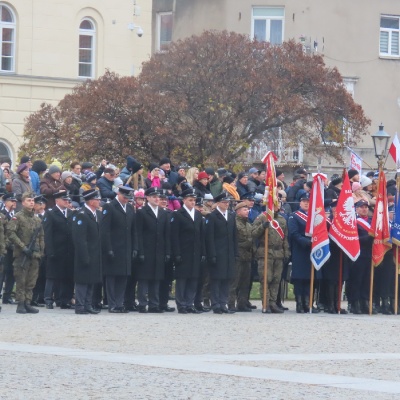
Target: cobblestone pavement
{"type": "Point", "coordinates": [59, 355]}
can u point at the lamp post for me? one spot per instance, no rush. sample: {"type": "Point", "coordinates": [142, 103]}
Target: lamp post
{"type": "Point", "coordinates": [381, 141]}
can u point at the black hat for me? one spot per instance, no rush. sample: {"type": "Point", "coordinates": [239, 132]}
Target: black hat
{"type": "Point", "coordinates": [199, 201]}
{"type": "Point", "coordinates": [9, 197]}
{"type": "Point", "coordinates": [164, 160]}
{"type": "Point", "coordinates": [241, 175]}
{"type": "Point", "coordinates": [189, 193]}
{"type": "Point", "coordinates": [222, 197]}
{"type": "Point", "coordinates": [370, 174]}
{"type": "Point", "coordinates": [61, 194]}
{"type": "Point", "coordinates": [301, 171]}
{"type": "Point", "coordinates": [222, 172]}
{"type": "Point", "coordinates": [152, 166]}
{"type": "Point", "coordinates": [247, 195]}
{"type": "Point", "coordinates": [361, 203]}
{"type": "Point", "coordinates": [126, 191]}
{"type": "Point", "coordinates": [185, 185]}
{"type": "Point", "coordinates": [86, 165]}
{"type": "Point", "coordinates": [163, 193]}
{"type": "Point", "coordinates": [91, 194]}
{"type": "Point", "coordinates": [228, 179]}
{"type": "Point", "coordinates": [153, 191]}
{"type": "Point", "coordinates": [40, 200]}
{"type": "Point", "coordinates": [305, 196]}
{"type": "Point", "coordinates": [180, 179]}
{"type": "Point", "coordinates": [209, 171]}
{"type": "Point", "coordinates": [336, 181]}
{"type": "Point", "coordinates": [278, 172]}
{"type": "Point", "coordinates": [132, 165]}
{"type": "Point", "coordinates": [352, 173]}
{"type": "Point", "coordinates": [25, 159]}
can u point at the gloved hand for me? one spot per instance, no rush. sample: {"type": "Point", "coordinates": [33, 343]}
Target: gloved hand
{"type": "Point", "coordinates": [134, 254]}
{"type": "Point", "coordinates": [27, 252]}
{"type": "Point", "coordinates": [167, 259]}
{"type": "Point", "coordinates": [110, 254]}
{"type": "Point", "coordinates": [203, 259]}
{"type": "Point", "coordinates": [141, 258]}
{"type": "Point", "coordinates": [178, 260]}
{"type": "Point", "coordinates": [213, 260]}
{"type": "Point", "coordinates": [266, 224]}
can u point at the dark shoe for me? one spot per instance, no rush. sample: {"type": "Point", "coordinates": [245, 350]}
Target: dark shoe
{"type": "Point", "coordinates": [30, 310]}
{"type": "Point", "coordinates": [81, 312]}
{"type": "Point", "coordinates": [343, 311]}
{"type": "Point", "coordinates": [275, 309]}
{"type": "Point", "coordinates": [355, 307]}
{"type": "Point", "coordinates": [217, 311]}
{"type": "Point", "coordinates": [226, 310]}
{"type": "Point", "coordinates": [21, 308]}
{"type": "Point", "coordinates": [142, 309]}
{"type": "Point", "coordinates": [192, 310]}
{"type": "Point", "coordinates": [92, 310]}
{"type": "Point", "coordinates": [49, 306]}
{"type": "Point", "coordinates": [251, 306]}
{"type": "Point", "coordinates": [244, 309]}
{"type": "Point", "coordinates": [132, 308]}
{"type": "Point", "coordinates": [67, 306]}
{"type": "Point", "coordinates": [207, 303]}
{"type": "Point", "coordinates": [155, 310]}
{"type": "Point", "coordinates": [167, 308]}
{"type": "Point", "coordinates": [182, 311]}
{"type": "Point", "coordinates": [299, 305]}
{"type": "Point", "coordinates": [36, 304]}
{"type": "Point", "coordinates": [266, 311]}
{"type": "Point", "coordinates": [124, 310]}
{"type": "Point", "coordinates": [115, 310]}
{"type": "Point", "coordinates": [8, 301]}
{"type": "Point", "coordinates": [202, 308]}
{"type": "Point", "coordinates": [281, 307]}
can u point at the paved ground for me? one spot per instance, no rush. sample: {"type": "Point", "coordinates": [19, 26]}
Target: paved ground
{"type": "Point", "coordinates": [59, 355]}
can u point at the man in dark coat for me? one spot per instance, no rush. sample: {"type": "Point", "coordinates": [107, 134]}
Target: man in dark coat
{"type": "Point", "coordinates": [221, 247]}
{"type": "Point", "coordinates": [119, 247]}
{"type": "Point", "coordinates": [154, 250]}
{"type": "Point", "coordinates": [59, 251]}
{"type": "Point", "coordinates": [105, 185]}
{"type": "Point", "coordinates": [188, 249]}
{"type": "Point", "coordinates": [87, 251]}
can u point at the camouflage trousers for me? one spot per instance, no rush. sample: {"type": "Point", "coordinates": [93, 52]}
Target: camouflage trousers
{"type": "Point", "coordinates": [274, 273]}
{"type": "Point", "coordinates": [25, 278]}
{"type": "Point", "coordinates": [240, 285]}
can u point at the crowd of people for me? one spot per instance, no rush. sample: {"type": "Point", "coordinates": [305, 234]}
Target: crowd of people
{"type": "Point", "coordinates": [88, 238]}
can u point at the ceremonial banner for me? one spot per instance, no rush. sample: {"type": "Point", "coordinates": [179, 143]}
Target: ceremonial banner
{"type": "Point", "coordinates": [395, 230]}
{"type": "Point", "coordinates": [270, 184]}
{"type": "Point", "coordinates": [394, 150]}
{"type": "Point", "coordinates": [316, 226]}
{"type": "Point", "coordinates": [355, 162]}
{"type": "Point", "coordinates": [343, 229]}
{"type": "Point", "coordinates": [380, 223]}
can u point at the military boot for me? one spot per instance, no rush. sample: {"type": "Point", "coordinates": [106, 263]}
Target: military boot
{"type": "Point", "coordinates": [365, 307]}
{"type": "Point", "coordinates": [355, 307]}
{"type": "Point", "coordinates": [331, 300]}
{"type": "Point", "coordinates": [385, 309]}
{"type": "Point", "coordinates": [29, 309]}
{"type": "Point", "coordinates": [299, 305]}
{"type": "Point", "coordinates": [21, 308]}
{"type": "Point", "coordinates": [306, 306]}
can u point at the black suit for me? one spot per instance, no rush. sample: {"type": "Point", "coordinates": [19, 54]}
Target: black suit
{"type": "Point", "coordinates": [59, 254]}
{"type": "Point", "coordinates": [154, 245]}
{"type": "Point", "coordinates": [221, 246]}
{"type": "Point", "coordinates": [118, 233]}
{"type": "Point", "coordinates": [188, 244]}
{"type": "Point", "coordinates": [87, 260]}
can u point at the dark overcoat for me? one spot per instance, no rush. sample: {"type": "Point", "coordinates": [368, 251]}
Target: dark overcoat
{"type": "Point", "coordinates": [188, 242]}
{"type": "Point", "coordinates": [221, 243]}
{"type": "Point", "coordinates": [87, 247]}
{"type": "Point", "coordinates": [154, 242]}
{"type": "Point", "coordinates": [118, 234]}
{"type": "Point", "coordinates": [300, 246]}
{"type": "Point", "coordinates": [59, 247]}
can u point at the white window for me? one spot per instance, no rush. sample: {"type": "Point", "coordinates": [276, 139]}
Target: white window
{"type": "Point", "coordinates": [164, 30]}
{"type": "Point", "coordinates": [7, 39]}
{"type": "Point", "coordinates": [268, 24]}
{"type": "Point", "coordinates": [87, 40]}
{"type": "Point", "coordinates": [389, 36]}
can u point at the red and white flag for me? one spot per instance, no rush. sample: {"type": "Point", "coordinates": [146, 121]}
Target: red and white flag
{"type": "Point", "coordinates": [343, 230]}
{"type": "Point", "coordinates": [316, 226]}
{"type": "Point", "coordinates": [270, 184]}
{"type": "Point", "coordinates": [380, 223]}
{"type": "Point", "coordinates": [394, 150]}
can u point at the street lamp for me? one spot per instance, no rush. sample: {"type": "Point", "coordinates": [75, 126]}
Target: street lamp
{"type": "Point", "coordinates": [381, 141]}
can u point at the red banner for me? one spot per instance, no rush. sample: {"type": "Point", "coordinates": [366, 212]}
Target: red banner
{"type": "Point", "coordinates": [270, 184]}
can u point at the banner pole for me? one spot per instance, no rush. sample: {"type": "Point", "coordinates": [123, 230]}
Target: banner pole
{"type": "Point", "coordinates": [312, 288]}
{"type": "Point", "coordinates": [340, 281]}
{"type": "Point", "coordinates": [396, 282]}
{"type": "Point", "coordinates": [371, 287]}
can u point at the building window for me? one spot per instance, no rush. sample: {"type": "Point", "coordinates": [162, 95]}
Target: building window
{"type": "Point", "coordinates": [87, 36]}
{"type": "Point", "coordinates": [4, 150]}
{"type": "Point", "coordinates": [268, 24]}
{"type": "Point", "coordinates": [7, 39]}
{"type": "Point", "coordinates": [164, 30]}
{"type": "Point", "coordinates": [389, 36]}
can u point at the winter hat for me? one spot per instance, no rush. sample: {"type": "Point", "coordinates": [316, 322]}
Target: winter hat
{"type": "Point", "coordinates": [241, 175]}
{"type": "Point", "coordinates": [180, 179]}
{"type": "Point", "coordinates": [365, 181]}
{"type": "Point", "coordinates": [228, 179]}
{"type": "Point", "coordinates": [25, 159]}
{"type": "Point", "coordinates": [209, 171]}
{"type": "Point", "coordinates": [90, 176]}
{"type": "Point", "coordinates": [65, 175]}
{"type": "Point", "coordinates": [21, 168]}
{"type": "Point", "coordinates": [53, 169]}
{"type": "Point", "coordinates": [165, 160]}
{"type": "Point", "coordinates": [57, 164]}
{"type": "Point", "coordinates": [356, 186]}
{"type": "Point", "coordinates": [152, 166]}
{"type": "Point", "coordinates": [202, 175]}
{"type": "Point", "coordinates": [352, 173]}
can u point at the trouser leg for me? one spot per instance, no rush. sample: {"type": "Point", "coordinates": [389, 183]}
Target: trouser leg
{"type": "Point", "coordinates": [142, 291]}
{"type": "Point", "coordinates": [154, 293]}
{"type": "Point", "coordinates": [180, 299]}
{"type": "Point", "coordinates": [110, 288]}
{"type": "Point", "coordinates": [215, 293]}
{"type": "Point", "coordinates": [48, 291]}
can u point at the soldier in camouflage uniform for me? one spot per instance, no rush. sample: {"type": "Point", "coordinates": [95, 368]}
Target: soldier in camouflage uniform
{"type": "Point", "coordinates": [3, 222]}
{"type": "Point", "coordinates": [278, 251]}
{"type": "Point", "coordinates": [20, 230]}
{"type": "Point", "coordinates": [239, 289]}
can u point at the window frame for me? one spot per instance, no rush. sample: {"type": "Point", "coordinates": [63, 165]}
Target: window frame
{"type": "Point", "coordinates": [13, 26]}
{"type": "Point", "coordinates": [389, 31]}
{"type": "Point", "coordinates": [159, 16]}
{"type": "Point", "coordinates": [268, 20]}
{"type": "Point", "coordinates": [92, 33]}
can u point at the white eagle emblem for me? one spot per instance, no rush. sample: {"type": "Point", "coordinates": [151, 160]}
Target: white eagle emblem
{"type": "Point", "coordinates": [349, 214]}
{"type": "Point", "coordinates": [379, 217]}
{"type": "Point", "coordinates": [318, 219]}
